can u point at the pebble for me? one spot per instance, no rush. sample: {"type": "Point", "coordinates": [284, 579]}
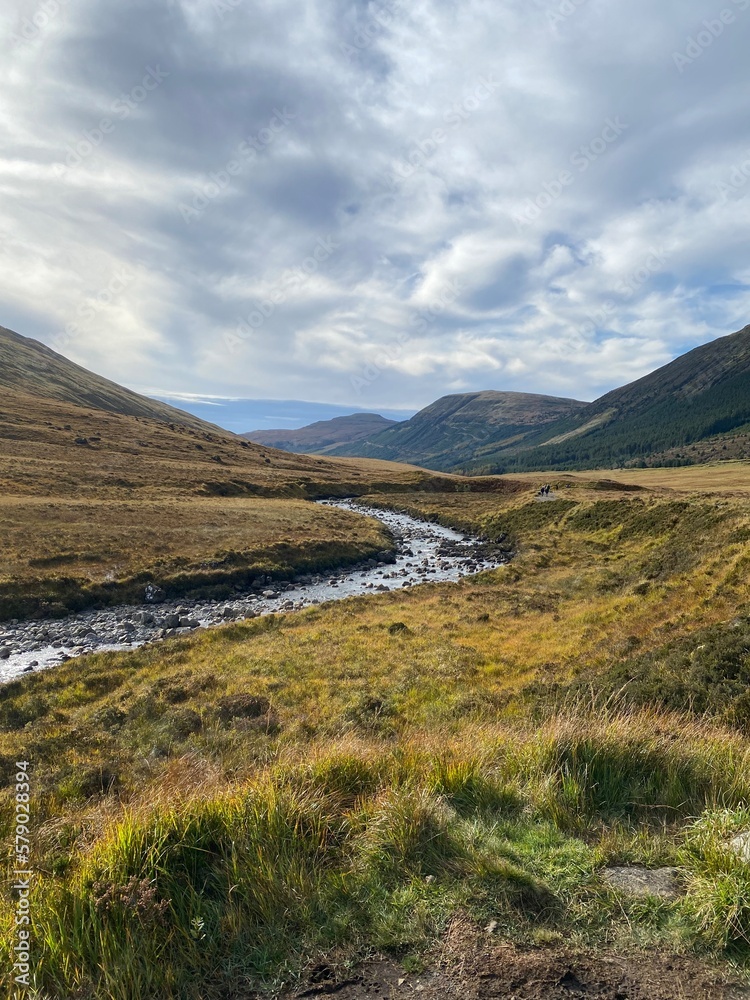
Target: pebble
{"type": "Point", "coordinates": [425, 552]}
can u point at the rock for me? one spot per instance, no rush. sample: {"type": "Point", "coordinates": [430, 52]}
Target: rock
{"type": "Point", "coordinates": [4, 652]}
{"type": "Point", "coordinates": [269, 593]}
{"type": "Point", "coordinates": [171, 621]}
{"type": "Point", "coordinates": [741, 845]}
{"type": "Point", "coordinates": [154, 594]}
{"type": "Point", "coordinates": [128, 627]}
{"type": "Point", "coordinates": [639, 881]}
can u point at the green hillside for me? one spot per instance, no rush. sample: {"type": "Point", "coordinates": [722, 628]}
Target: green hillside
{"type": "Point", "coordinates": [457, 429]}
{"type": "Point", "coordinates": [702, 395]}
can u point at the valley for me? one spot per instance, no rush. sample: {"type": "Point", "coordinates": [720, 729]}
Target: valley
{"type": "Point", "coordinates": [414, 552]}
{"type": "Point", "coordinates": [341, 739]}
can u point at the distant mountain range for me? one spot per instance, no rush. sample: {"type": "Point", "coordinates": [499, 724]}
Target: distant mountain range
{"type": "Point", "coordinates": [241, 415]}
{"type": "Point", "coordinates": [324, 436]}
{"type": "Point", "coordinates": [457, 429]}
{"type": "Point", "coordinates": [694, 409]}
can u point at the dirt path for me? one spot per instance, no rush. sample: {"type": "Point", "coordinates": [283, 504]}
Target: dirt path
{"type": "Point", "coordinates": [471, 967]}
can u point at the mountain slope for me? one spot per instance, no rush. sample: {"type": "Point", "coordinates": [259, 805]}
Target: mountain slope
{"type": "Point", "coordinates": [458, 428]}
{"type": "Point", "coordinates": [95, 502]}
{"type": "Point", "coordinates": [699, 396]}
{"type": "Point", "coordinates": [324, 435]}
{"type": "Point", "coordinates": [29, 367]}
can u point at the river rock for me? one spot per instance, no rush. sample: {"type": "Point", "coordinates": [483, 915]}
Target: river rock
{"type": "Point", "coordinates": [423, 554]}
{"type": "Point", "coordinates": [741, 845]}
{"type": "Point", "coordinates": [639, 881]}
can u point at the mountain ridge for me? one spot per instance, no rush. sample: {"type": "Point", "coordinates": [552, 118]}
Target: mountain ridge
{"type": "Point", "coordinates": [454, 427]}
{"type": "Point", "coordinates": [702, 394]}
{"type": "Point", "coordinates": [30, 367]}
{"type": "Point", "coordinates": [323, 435]}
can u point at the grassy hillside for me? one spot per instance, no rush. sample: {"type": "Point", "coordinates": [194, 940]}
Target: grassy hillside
{"type": "Point", "coordinates": [703, 396]}
{"type": "Point", "coordinates": [324, 435]}
{"type": "Point", "coordinates": [222, 813]}
{"type": "Point", "coordinates": [456, 429]}
{"type": "Point", "coordinates": [93, 505]}
{"type": "Point", "coordinates": [28, 367]}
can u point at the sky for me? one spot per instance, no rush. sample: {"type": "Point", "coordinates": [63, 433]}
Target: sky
{"type": "Point", "coordinates": [371, 205]}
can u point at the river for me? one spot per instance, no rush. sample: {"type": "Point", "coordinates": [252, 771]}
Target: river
{"type": "Point", "coordinates": [425, 552]}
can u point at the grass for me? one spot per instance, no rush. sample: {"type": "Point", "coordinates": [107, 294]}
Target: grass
{"type": "Point", "coordinates": [221, 810]}
{"type": "Point", "coordinates": [105, 551]}
{"type": "Point", "coordinates": [95, 504]}
{"type": "Point", "coordinates": [362, 845]}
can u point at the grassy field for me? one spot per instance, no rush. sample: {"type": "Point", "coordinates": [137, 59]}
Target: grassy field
{"type": "Point", "coordinates": [212, 814]}
{"type": "Point", "coordinates": [719, 477]}
{"type": "Point", "coordinates": [62, 555]}
{"type": "Point", "coordinates": [93, 505]}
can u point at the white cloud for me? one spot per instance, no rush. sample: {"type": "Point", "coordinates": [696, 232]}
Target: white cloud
{"type": "Point", "coordinates": [414, 152]}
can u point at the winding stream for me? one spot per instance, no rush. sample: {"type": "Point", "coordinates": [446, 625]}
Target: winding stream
{"type": "Point", "coordinates": [426, 552]}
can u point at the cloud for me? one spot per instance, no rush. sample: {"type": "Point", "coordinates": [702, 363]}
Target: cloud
{"type": "Point", "coordinates": [531, 196]}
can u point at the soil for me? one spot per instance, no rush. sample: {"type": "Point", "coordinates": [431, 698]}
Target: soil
{"type": "Point", "coordinates": [472, 965]}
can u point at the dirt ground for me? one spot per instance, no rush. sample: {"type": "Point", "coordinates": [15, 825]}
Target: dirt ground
{"type": "Point", "coordinates": [472, 967]}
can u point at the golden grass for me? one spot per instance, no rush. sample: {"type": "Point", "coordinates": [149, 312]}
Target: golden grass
{"type": "Point", "coordinates": [97, 540]}
{"type": "Point", "coordinates": [718, 477]}
{"type": "Point", "coordinates": [342, 744]}
{"type": "Point", "coordinates": [136, 496]}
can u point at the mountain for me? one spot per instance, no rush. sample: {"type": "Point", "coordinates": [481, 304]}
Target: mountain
{"type": "Point", "coordinates": [696, 408]}
{"type": "Point", "coordinates": [461, 428]}
{"type": "Point", "coordinates": [324, 435]}
{"type": "Point", "coordinates": [26, 366]}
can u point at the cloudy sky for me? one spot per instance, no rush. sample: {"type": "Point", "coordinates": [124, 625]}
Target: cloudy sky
{"type": "Point", "coordinates": [374, 204]}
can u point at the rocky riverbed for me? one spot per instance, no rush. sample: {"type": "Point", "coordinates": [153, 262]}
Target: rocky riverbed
{"type": "Point", "coordinates": [423, 552]}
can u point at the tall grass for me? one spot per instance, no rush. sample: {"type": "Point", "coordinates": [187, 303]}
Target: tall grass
{"type": "Point", "coordinates": [369, 843]}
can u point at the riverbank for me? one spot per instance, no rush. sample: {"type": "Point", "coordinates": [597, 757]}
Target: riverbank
{"type": "Point", "coordinates": [417, 552]}
{"type": "Point", "coordinates": [269, 803]}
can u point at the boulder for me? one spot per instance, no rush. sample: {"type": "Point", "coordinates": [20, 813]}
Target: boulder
{"type": "Point", "coordinates": [639, 881]}
{"type": "Point", "coordinates": [741, 845]}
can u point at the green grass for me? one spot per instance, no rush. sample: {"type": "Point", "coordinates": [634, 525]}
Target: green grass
{"type": "Point", "coordinates": [216, 812]}
{"type": "Point", "coordinates": [365, 846]}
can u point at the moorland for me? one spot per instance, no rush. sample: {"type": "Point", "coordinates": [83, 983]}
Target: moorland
{"type": "Point", "coordinates": [429, 783]}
